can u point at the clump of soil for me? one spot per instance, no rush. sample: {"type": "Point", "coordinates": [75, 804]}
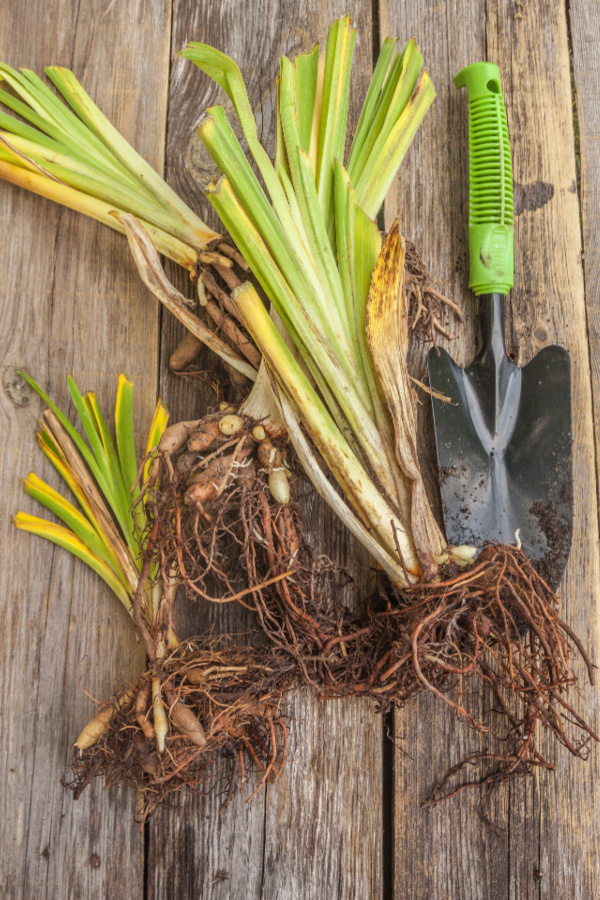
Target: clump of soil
{"type": "Point", "coordinates": [557, 534]}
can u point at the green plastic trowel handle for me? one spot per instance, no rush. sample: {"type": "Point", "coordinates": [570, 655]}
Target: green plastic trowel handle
{"type": "Point", "coordinates": [491, 229]}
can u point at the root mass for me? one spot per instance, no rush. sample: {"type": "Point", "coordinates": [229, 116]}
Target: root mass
{"type": "Point", "coordinates": [496, 622]}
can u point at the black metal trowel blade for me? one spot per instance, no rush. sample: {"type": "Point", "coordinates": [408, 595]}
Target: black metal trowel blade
{"type": "Point", "coordinates": [504, 446]}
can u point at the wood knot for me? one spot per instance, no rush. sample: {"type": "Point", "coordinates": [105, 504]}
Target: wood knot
{"type": "Point", "coordinates": [18, 391]}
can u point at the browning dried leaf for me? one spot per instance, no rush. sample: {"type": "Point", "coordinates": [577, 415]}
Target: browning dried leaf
{"type": "Point", "coordinates": [387, 334]}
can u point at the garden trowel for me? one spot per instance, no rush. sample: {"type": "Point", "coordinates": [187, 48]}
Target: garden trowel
{"type": "Point", "coordinates": [503, 434]}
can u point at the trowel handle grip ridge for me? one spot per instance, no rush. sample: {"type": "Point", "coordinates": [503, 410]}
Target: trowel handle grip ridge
{"type": "Point", "coordinates": [491, 228]}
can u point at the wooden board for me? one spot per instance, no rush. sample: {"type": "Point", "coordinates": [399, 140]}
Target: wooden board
{"type": "Point", "coordinates": [545, 850]}
{"type": "Point", "coordinates": [70, 302]}
{"type": "Point", "coordinates": [572, 803]}
{"type": "Point", "coordinates": [333, 778]}
{"type": "Point", "coordinates": [432, 204]}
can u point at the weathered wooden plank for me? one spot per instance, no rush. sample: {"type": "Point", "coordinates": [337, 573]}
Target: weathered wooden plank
{"type": "Point", "coordinates": [445, 852]}
{"type": "Point", "coordinates": [450, 853]}
{"type": "Point", "coordinates": [314, 818]}
{"type": "Point", "coordinates": [323, 818]}
{"type": "Point", "coordinates": [70, 302]}
{"type": "Point", "coordinates": [192, 848]}
{"type": "Point", "coordinates": [318, 831]}
{"type": "Point", "coordinates": [551, 300]}
{"type": "Point", "coordinates": [585, 36]}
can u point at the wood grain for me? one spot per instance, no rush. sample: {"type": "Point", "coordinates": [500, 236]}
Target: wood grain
{"type": "Point", "coordinates": [456, 857]}
{"type": "Point", "coordinates": [570, 852]}
{"type": "Point", "coordinates": [585, 36]}
{"type": "Point", "coordinates": [549, 306]}
{"type": "Point", "coordinates": [70, 302]}
{"type": "Point", "coordinates": [541, 818]}
{"type": "Point", "coordinates": [333, 778]}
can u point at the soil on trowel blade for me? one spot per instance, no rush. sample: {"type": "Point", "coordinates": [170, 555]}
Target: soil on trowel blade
{"type": "Point", "coordinates": [557, 538]}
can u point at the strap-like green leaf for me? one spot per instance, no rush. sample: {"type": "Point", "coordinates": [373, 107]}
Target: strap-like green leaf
{"type": "Point", "coordinates": [159, 423]}
{"type": "Point", "coordinates": [334, 113]}
{"type": "Point", "coordinates": [121, 495]}
{"type": "Point", "coordinates": [373, 94]}
{"type": "Point", "coordinates": [65, 538]}
{"type": "Point", "coordinates": [106, 476]}
{"type": "Point", "coordinates": [227, 74]}
{"type": "Point", "coordinates": [80, 444]}
{"type": "Point", "coordinates": [81, 149]}
{"type": "Point", "coordinates": [54, 454]}
{"type": "Point", "coordinates": [143, 175]}
{"type": "Point", "coordinates": [73, 519]}
{"type": "Point", "coordinates": [307, 76]}
{"type": "Point", "coordinates": [55, 119]}
{"type": "Point", "coordinates": [385, 159]}
{"type": "Point", "coordinates": [124, 432]}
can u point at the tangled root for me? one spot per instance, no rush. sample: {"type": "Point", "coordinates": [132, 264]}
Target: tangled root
{"type": "Point", "coordinates": [497, 622]}
{"type": "Point", "coordinates": [219, 532]}
{"type": "Point", "coordinates": [235, 693]}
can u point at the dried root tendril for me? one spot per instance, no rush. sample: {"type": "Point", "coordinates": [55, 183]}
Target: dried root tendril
{"type": "Point", "coordinates": [426, 305]}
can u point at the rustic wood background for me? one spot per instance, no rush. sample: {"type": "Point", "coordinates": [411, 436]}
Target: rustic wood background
{"type": "Point", "coordinates": [344, 820]}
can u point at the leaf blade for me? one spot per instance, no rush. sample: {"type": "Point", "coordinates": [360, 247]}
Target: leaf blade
{"type": "Point", "coordinates": [124, 433]}
{"type": "Point", "coordinates": [66, 539]}
{"type": "Point", "coordinates": [41, 492]}
{"type": "Point", "coordinates": [157, 426]}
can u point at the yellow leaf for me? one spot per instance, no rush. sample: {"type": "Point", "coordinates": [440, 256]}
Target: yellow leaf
{"type": "Point", "coordinates": [84, 529]}
{"type": "Point", "coordinates": [159, 423]}
{"type": "Point", "coordinates": [66, 473]}
{"type": "Point", "coordinates": [65, 538]}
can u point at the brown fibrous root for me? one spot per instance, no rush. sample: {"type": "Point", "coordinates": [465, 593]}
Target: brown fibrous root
{"type": "Point", "coordinates": [426, 305]}
{"type": "Point", "coordinates": [496, 622]}
{"type": "Point", "coordinates": [236, 693]}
